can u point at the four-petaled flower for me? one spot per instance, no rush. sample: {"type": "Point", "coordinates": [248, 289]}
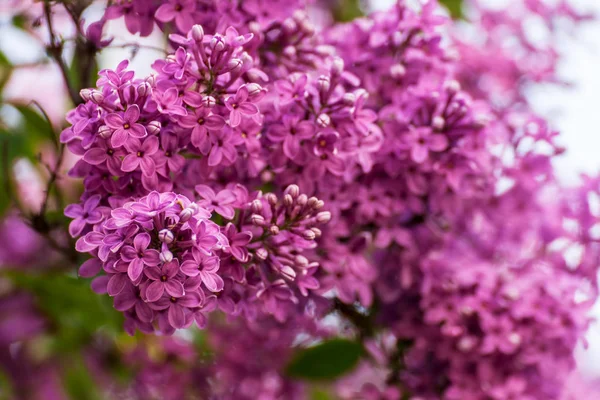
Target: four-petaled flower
{"type": "Point", "coordinates": [125, 126]}
{"type": "Point", "coordinates": [239, 105]}
{"type": "Point", "coordinates": [291, 132]}
{"type": "Point", "coordinates": [221, 202]}
{"type": "Point", "coordinates": [140, 154]}
{"type": "Point", "coordinates": [139, 255]}
{"type": "Point", "coordinates": [164, 279]}
{"type": "Point", "coordinates": [206, 267]}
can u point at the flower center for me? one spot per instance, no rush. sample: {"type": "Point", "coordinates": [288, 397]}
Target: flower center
{"type": "Point", "coordinates": [110, 152]}
{"type": "Point", "coordinates": [163, 278]}
{"type": "Point", "coordinates": [126, 125]}
{"type": "Point", "coordinates": [234, 105]}
{"type": "Point", "coordinates": [201, 121]}
{"type": "Point", "coordinates": [140, 154]}
{"type": "Point", "coordinates": [173, 299]}
{"type": "Point", "coordinates": [322, 143]}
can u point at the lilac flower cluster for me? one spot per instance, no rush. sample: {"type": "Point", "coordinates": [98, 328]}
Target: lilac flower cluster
{"type": "Point", "coordinates": [208, 184]}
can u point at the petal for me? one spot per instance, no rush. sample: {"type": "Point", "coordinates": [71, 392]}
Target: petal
{"type": "Point", "coordinates": [76, 227]}
{"type": "Point", "coordinates": [144, 312]}
{"type": "Point", "coordinates": [125, 300]}
{"type": "Point", "coordinates": [153, 273]}
{"type": "Point", "coordinates": [190, 268]}
{"type": "Point", "coordinates": [213, 282]}
{"type": "Point", "coordinates": [155, 291]}
{"type": "Point", "coordinates": [90, 268]}
{"type": "Point", "coordinates": [291, 146]}
{"type": "Point", "coordinates": [215, 157]}
{"type": "Point", "coordinates": [165, 13]}
{"type": "Point", "coordinates": [206, 192]}
{"type": "Point", "coordinates": [151, 257]}
{"type": "Point", "coordinates": [176, 316]}
{"type": "Point", "coordinates": [118, 138]}
{"type": "Point", "coordinates": [95, 156]}
{"type": "Point", "coordinates": [235, 118]}
{"type": "Point", "coordinates": [438, 142]}
{"type": "Point", "coordinates": [130, 163]}
{"type": "Point", "coordinates": [248, 109]}
{"type": "Point", "coordinates": [135, 269]}
{"type": "Point", "coordinates": [132, 114]}
{"type": "Point", "coordinates": [174, 288]}
{"type": "Point", "coordinates": [141, 241]}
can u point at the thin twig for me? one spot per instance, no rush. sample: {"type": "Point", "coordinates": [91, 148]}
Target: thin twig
{"type": "Point", "coordinates": [55, 51]}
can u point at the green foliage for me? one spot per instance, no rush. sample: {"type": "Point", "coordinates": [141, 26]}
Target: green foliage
{"type": "Point", "coordinates": [347, 10]}
{"type": "Point", "coordinates": [75, 313]}
{"type": "Point", "coordinates": [36, 126]}
{"type": "Point", "coordinates": [78, 382]}
{"type": "Point", "coordinates": [325, 361]}
{"type": "Point", "coordinates": [6, 69]}
{"type": "Point", "coordinates": [454, 8]}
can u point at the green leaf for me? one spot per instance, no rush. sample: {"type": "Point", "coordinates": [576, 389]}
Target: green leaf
{"type": "Point", "coordinates": [36, 126]}
{"type": "Point", "coordinates": [325, 361]}
{"type": "Point", "coordinates": [454, 8]}
{"type": "Point", "coordinates": [347, 10]}
{"type": "Point", "coordinates": [75, 312]}
{"type": "Point", "coordinates": [6, 69]}
{"type": "Point", "coordinates": [78, 382]}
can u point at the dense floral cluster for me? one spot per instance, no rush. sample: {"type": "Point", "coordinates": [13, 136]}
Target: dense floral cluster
{"type": "Point", "coordinates": [382, 180]}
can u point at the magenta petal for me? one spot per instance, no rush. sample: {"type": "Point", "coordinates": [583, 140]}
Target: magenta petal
{"type": "Point", "coordinates": [176, 316]}
{"type": "Point", "coordinates": [190, 268]}
{"type": "Point", "coordinates": [118, 138]}
{"type": "Point", "coordinates": [248, 109]}
{"type": "Point", "coordinates": [135, 269]}
{"type": "Point", "coordinates": [215, 157]}
{"type": "Point", "coordinates": [99, 284]}
{"type": "Point", "coordinates": [165, 13]}
{"type": "Point", "coordinates": [174, 288]}
{"type": "Point", "coordinates": [235, 118]}
{"type": "Point", "coordinates": [90, 268]}
{"type": "Point", "coordinates": [132, 114]}
{"type": "Point", "coordinates": [137, 131]}
{"type": "Point", "coordinates": [144, 312]}
{"type": "Point", "coordinates": [154, 291]}
{"type": "Point", "coordinates": [76, 226]}
{"type": "Point", "coordinates": [213, 282]}
{"type": "Point", "coordinates": [153, 273]}
{"type": "Point", "coordinates": [130, 163]}
{"type": "Point", "coordinates": [95, 156]}
{"type": "Point", "coordinates": [124, 300]}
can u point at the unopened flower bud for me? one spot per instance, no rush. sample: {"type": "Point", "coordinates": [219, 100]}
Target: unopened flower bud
{"type": "Point", "coordinates": [438, 122]}
{"type": "Point", "coordinates": [233, 65]}
{"type": "Point", "coordinates": [301, 261]}
{"type": "Point", "coordinates": [452, 87]}
{"type": "Point", "coordinates": [85, 94]}
{"type": "Point", "coordinates": [323, 84]}
{"type": "Point", "coordinates": [208, 102]}
{"type": "Point", "coordinates": [274, 230]}
{"type": "Point", "coordinates": [289, 26]}
{"type": "Point", "coordinates": [96, 97]}
{"type": "Point", "coordinates": [337, 66]}
{"type": "Point", "coordinates": [289, 51]}
{"type": "Point", "coordinates": [323, 120]}
{"type": "Point", "coordinates": [166, 236]}
{"type": "Point", "coordinates": [271, 198]}
{"type": "Point", "coordinates": [292, 190]}
{"type": "Point", "coordinates": [186, 214]}
{"type": "Point", "coordinates": [288, 272]}
{"type": "Point", "coordinates": [323, 217]}
{"type": "Point", "coordinates": [256, 206]}
{"type": "Point", "coordinates": [302, 200]}
{"type": "Point", "coordinates": [308, 235]}
{"type": "Point", "coordinates": [153, 127]}
{"type": "Point", "coordinates": [312, 201]}
{"type": "Point", "coordinates": [197, 33]}
{"type": "Point", "coordinates": [397, 71]}
{"type": "Point", "coordinates": [262, 254]}
{"type": "Point", "coordinates": [288, 200]}
{"type": "Point", "coordinates": [144, 89]}
{"type": "Point", "coordinates": [349, 99]}
{"type": "Point", "coordinates": [104, 132]}
{"type": "Point", "coordinates": [317, 232]}
{"type": "Point", "coordinates": [257, 220]}
{"type": "Point", "coordinates": [165, 256]}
